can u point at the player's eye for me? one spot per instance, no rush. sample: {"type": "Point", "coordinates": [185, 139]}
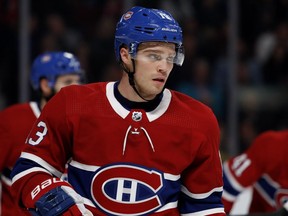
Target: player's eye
{"type": "Point", "coordinates": [154, 57]}
{"type": "Point", "coordinates": [71, 81]}
{"type": "Point", "coordinates": [170, 59]}
{"type": "Point", "coordinates": [68, 82]}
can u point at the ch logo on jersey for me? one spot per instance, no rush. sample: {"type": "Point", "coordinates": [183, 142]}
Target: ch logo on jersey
{"type": "Point", "coordinates": [281, 197]}
{"type": "Point", "coordinates": [127, 190]}
{"type": "Point", "coordinates": [137, 116]}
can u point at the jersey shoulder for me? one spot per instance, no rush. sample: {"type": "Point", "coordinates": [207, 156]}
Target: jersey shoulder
{"type": "Point", "coordinates": [190, 103]}
{"type": "Point", "coordinates": [15, 108]}
{"type": "Point", "coordinates": [199, 115]}
{"type": "Point", "coordinates": [17, 112]}
{"type": "Point", "coordinates": [270, 141]}
{"type": "Point", "coordinates": [84, 91]}
{"type": "Point", "coordinates": [191, 107]}
{"type": "Point", "coordinates": [76, 99]}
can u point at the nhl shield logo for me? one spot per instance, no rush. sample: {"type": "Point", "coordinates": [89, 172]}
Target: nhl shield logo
{"type": "Point", "coordinates": [137, 116]}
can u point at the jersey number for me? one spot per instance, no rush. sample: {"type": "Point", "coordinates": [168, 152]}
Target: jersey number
{"type": "Point", "coordinates": [164, 16]}
{"type": "Point", "coordinates": [39, 134]}
{"type": "Point", "coordinates": [240, 163]}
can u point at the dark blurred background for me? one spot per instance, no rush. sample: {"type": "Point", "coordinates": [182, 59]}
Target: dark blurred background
{"type": "Point", "coordinates": [236, 54]}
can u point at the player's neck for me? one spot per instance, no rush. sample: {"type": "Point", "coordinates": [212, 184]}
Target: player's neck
{"type": "Point", "coordinates": [129, 105]}
{"type": "Point", "coordinates": [128, 92]}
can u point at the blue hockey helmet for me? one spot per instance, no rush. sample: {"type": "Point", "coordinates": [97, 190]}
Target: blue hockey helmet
{"type": "Point", "coordinates": [50, 65]}
{"type": "Point", "coordinates": [140, 25]}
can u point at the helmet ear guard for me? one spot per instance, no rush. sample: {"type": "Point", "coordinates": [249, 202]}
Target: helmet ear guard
{"type": "Point", "coordinates": [180, 55]}
{"type": "Point", "coordinates": [140, 25]}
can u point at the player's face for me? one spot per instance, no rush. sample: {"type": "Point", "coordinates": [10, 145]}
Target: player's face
{"type": "Point", "coordinates": [154, 62]}
{"type": "Point", "coordinates": [66, 80]}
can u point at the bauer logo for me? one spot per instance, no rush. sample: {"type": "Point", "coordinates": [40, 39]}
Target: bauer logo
{"type": "Point", "coordinates": [127, 190]}
{"type": "Point", "coordinates": [169, 29]}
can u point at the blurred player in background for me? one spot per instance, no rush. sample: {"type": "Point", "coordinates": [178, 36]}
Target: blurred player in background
{"type": "Point", "coordinates": [50, 72]}
{"type": "Point", "coordinates": [137, 148]}
{"type": "Point", "coordinates": [263, 166]}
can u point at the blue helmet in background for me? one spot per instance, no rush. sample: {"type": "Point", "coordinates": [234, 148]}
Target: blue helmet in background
{"type": "Point", "coordinates": [140, 25]}
{"type": "Point", "coordinates": [50, 65]}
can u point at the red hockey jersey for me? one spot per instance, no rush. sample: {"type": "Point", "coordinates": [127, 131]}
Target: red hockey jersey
{"type": "Point", "coordinates": [127, 162]}
{"type": "Point", "coordinates": [263, 166]}
{"type": "Point", "coordinates": [15, 123]}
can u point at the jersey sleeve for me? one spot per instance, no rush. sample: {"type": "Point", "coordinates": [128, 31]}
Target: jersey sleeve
{"type": "Point", "coordinates": [46, 150]}
{"type": "Point", "coordinates": [202, 181]}
{"type": "Point", "coordinates": [245, 169]}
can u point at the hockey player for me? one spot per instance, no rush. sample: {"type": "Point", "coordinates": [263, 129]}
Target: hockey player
{"type": "Point", "coordinates": [263, 166]}
{"type": "Point", "coordinates": [50, 72]}
{"type": "Point", "coordinates": [136, 148]}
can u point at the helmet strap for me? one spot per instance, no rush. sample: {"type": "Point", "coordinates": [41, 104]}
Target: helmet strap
{"type": "Point", "coordinates": [131, 75]}
{"type": "Point", "coordinates": [131, 79]}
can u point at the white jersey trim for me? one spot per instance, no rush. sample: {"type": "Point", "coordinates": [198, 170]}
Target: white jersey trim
{"type": "Point", "coordinates": [171, 177]}
{"type": "Point", "coordinates": [6, 180]}
{"type": "Point", "coordinates": [35, 108]}
{"type": "Point", "coordinates": [171, 205]}
{"type": "Point", "coordinates": [162, 107]}
{"type": "Point", "coordinates": [228, 196]}
{"type": "Point", "coordinates": [26, 172]}
{"type": "Point", "coordinates": [200, 195]}
{"type": "Point", "coordinates": [265, 195]}
{"type": "Point", "coordinates": [206, 212]}
{"type": "Point", "coordinates": [236, 185]}
{"type": "Point", "coordinates": [83, 166]}
{"type": "Point", "coordinates": [152, 115]}
{"type": "Point", "coordinates": [285, 206]}
{"type": "Point", "coordinates": [92, 168]}
{"type": "Point", "coordinates": [88, 202]}
{"type": "Point", "coordinates": [41, 162]}
{"type": "Point", "coordinates": [117, 107]}
{"type": "Point", "coordinates": [163, 208]}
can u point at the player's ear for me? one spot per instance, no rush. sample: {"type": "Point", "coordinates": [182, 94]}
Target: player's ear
{"type": "Point", "coordinates": [45, 88]}
{"type": "Point", "coordinates": [125, 56]}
